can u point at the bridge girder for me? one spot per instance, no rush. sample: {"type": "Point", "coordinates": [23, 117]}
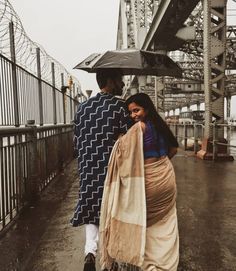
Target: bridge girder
{"type": "Point", "coordinates": [161, 20]}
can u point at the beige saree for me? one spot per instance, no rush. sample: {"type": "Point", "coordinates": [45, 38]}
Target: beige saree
{"type": "Point", "coordinates": [136, 196]}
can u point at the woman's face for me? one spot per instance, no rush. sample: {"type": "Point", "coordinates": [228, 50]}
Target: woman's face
{"type": "Point", "coordinates": [137, 112]}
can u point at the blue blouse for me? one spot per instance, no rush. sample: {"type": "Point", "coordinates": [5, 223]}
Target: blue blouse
{"type": "Point", "coordinates": [154, 144]}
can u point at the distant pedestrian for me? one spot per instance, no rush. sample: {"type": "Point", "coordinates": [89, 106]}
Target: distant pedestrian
{"type": "Point", "coordinates": [98, 124]}
{"type": "Point", "coordinates": [140, 194]}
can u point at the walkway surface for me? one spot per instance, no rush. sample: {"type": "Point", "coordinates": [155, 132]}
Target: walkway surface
{"type": "Point", "coordinates": [43, 240]}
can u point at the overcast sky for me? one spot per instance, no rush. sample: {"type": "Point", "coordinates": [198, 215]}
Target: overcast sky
{"type": "Point", "coordinates": [71, 30]}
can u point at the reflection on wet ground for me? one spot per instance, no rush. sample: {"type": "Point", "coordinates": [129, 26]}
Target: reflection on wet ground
{"type": "Point", "coordinates": [207, 216]}
{"type": "Point", "coordinates": [43, 240]}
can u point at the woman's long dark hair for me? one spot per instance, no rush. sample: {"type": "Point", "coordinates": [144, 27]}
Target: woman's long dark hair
{"type": "Point", "coordinates": [160, 125]}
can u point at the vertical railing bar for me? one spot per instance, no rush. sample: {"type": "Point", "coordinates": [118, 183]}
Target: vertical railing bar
{"type": "Point", "coordinates": [2, 184]}
{"type": "Point", "coordinates": [39, 87]}
{"type": "Point", "coordinates": [63, 92]}
{"type": "Point", "coordinates": [17, 158]}
{"type": "Point", "coordinates": [27, 158]}
{"type": "Point", "coordinates": [31, 115]}
{"type": "Point", "coordinates": [24, 179]}
{"type": "Point", "coordinates": [44, 106]}
{"type": "Point", "coordinates": [41, 158]}
{"type": "Point", "coordinates": [1, 177]}
{"type": "Point", "coordinates": [10, 176]}
{"type": "Point", "coordinates": [13, 58]}
{"type": "Point", "coordinates": [45, 139]}
{"type": "Point", "coordinates": [50, 104]}
{"type": "Point", "coordinates": [1, 90]}
{"type": "Point", "coordinates": [34, 111]}
{"type": "Point", "coordinates": [54, 94]}
{"type": "Point", "coordinates": [20, 94]}
{"type": "Point", "coordinates": [7, 94]}
{"type": "Point", "coordinates": [11, 96]}
{"type": "Point", "coordinates": [8, 207]}
{"type": "Point", "coordinates": [20, 168]}
{"type": "Point", "coordinates": [21, 106]}
{"type": "Point", "coordinates": [13, 174]}
{"type": "Point", "coordinates": [30, 82]}
{"type": "Point", "coordinates": [35, 116]}
{"type": "Point", "coordinates": [47, 101]}
{"type": "Point", "coordinates": [3, 94]}
{"type": "Point", "coordinates": [7, 177]}
{"type": "Point", "coordinates": [24, 97]}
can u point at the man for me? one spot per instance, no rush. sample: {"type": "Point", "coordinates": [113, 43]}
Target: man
{"type": "Point", "coordinates": [98, 123]}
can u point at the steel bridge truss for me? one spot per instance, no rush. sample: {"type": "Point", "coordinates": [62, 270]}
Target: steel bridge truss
{"type": "Point", "coordinates": [135, 18]}
{"type": "Point", "coordinates": [212, 41]}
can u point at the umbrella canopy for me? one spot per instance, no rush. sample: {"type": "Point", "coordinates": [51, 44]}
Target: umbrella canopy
{"type": "Point", "coordinates": [132, 62]}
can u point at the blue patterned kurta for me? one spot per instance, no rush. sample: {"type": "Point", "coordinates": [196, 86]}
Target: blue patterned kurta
{"type": "Point", "coordinates": [98, 123]}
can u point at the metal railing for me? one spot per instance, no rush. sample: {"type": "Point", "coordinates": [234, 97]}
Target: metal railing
{"type": "Point", "coordinates": [33, 85]}
{"type": "Point", "coordinates": [29, 97]}
{"type": "Point", "coordinates": [30, 158]}
{"type": "Point", "coordinates": [191, 136]}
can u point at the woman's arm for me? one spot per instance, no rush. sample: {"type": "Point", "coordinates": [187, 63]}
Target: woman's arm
{"type": "Point", "coordinates": [172, 152]}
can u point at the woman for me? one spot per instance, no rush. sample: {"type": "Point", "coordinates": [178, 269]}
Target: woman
{"type": "Point", "coordinates": [140, 193]}
{"type": "Point", "coordinates": [159, 146]}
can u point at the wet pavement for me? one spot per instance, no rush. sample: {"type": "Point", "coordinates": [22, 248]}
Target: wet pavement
{"type": "Point", "coordinates": [43, 240]}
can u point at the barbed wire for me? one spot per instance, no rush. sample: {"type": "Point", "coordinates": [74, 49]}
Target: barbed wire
{"type": "Point", "coordinates": [26, 50]}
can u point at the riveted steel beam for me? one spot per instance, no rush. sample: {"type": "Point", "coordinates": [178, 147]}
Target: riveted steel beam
{"type": "Point", "coordinates": [135, 18]}
{"type": "Point", "coordinates": [214, 42]}
{"type": "Point", "coordinates": [169, 18]}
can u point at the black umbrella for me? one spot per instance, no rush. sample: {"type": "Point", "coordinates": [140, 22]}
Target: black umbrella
{"type": "Point", "coordinates": [132, 62]}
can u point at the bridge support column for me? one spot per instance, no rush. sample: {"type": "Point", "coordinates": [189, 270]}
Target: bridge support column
{"type": "Point", "coordinates": [214, 41]}
{"type": "Point", "coordinates": [159, 95]}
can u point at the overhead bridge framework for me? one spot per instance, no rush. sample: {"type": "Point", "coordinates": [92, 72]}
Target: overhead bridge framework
{"type": "Point", "coordinates": [206, 45]}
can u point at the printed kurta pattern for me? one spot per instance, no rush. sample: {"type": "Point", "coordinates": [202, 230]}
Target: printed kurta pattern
{"type": "Point", "coordinates": [98, 123]}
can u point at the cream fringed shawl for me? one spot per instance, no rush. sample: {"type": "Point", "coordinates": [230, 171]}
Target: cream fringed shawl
{"type": "Point", "coordinates": [123, 212]}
